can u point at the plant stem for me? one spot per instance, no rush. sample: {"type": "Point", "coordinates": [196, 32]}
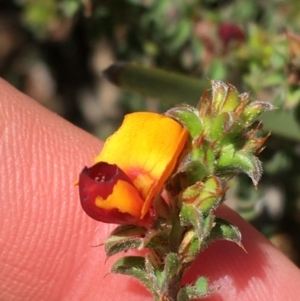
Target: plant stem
{"type": "Point", "coordinates": [173, 288]}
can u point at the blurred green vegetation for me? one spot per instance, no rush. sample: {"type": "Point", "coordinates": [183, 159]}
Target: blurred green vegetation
{"type": "Point", "coordinates": [55, 52]}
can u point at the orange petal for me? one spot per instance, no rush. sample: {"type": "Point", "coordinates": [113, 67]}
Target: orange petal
{"type": "Point", "coordinates": [146, 148]}
{"type": "Point", "coordinates": [124, 197]}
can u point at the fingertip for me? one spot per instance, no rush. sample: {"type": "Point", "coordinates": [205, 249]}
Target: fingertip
{"type": "Point", "coordinates": [44, 234]}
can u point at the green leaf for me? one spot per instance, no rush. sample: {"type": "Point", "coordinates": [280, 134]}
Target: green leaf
{"type": "Point", "coordinates": [189, 246]}
{"type": "Point", "coordinates": [133, 266]}
{"type": "Point", "coordinates": [193, 243]}
{"type": "Point", "coordinates": [208, 223]}
{"type": "Point", "coordinates": [202, 284]}
{"type": "Point", "coordinates": [232, 99]}
{"type": "Point", "coordinates": [210, 159]}
{"type": "Point", "coordinates": [125, 264]}
{"type": "Point", "coordinates": [194, 250]}
{"type": "Point", "coordinates": [197, 291]}
{"type": "Point", "coordinates": [191, 215]}
{"type": "Point", "coordinates": [172, 267]}
{"type": "Point", "coordinates": [218, 126]}
{"type": "Point", "coordinates": [191, 172]}
{"type": "Point", "coordinates": [239, 161]}
{"type": "Point", "coordinates": [224, 230]}
{"type": "Point", "coordinates": [219, 96]}
{"type": "Point", "coordinates": [153, 273]}
{"type": "Point", "coordinates": [188, 116]}
{"type": "Point", "coordinates": [124, 238]}
{"type": "Point", "coordinates": [156, 238]}
{"type": "Point", "coordinates": [254, 110]}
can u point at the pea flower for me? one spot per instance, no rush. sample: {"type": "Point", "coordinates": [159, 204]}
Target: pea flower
{"type": "Point", "coordinates": [191, 152]}
{"type": "Point", "coordinates": [131, 169]}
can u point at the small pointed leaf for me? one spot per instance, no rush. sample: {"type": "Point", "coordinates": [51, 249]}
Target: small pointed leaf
{"type": "Point", "coordinates": [224, 230]}
{"type": "Point", "coordinates": [191, 172]}
{"type": "Point", "coordinates": [194, 249]}
{"type": "Point", "coordinates": [219, 93]}
{"type": "Point", "coordinates": [210, 160]}
{"type": "Point", "coordinates": [122, 265]}
{"type": "Point", "coordinates": [208, 223]}
{"type": "Point", "coordinates": [197, 291]}
{"type": "Point", "coordinates": [153, 273]}
{"type": "Point", "coordinates": [191, 215]}
{"type": "Point", "coordinates": [188, 117]}
{"type": "Point", "coordinates": [232, 99]}
{"type": "Point", "coordinates": [124, 238]}
{"type": "Point", "coordinates": [202, 284]}
{"type": "Point", "coordinates": [171, 269]}
{"type": "Point", "coordinates": [217, 128]}
{"type": "Point", "coordinates": [254, 110]}
{"type": "Point", "coordinates": [190, 247]}
{"type": "Point", "coordinates": [240, 161]}
{"type": "Point", "coordinates": [133, 266]}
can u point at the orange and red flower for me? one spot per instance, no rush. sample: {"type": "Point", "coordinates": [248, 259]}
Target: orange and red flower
{"type": "Point", "coordinates": [131, 169]}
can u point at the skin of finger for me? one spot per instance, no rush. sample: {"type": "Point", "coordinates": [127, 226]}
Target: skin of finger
{"type": "Point", "coordinates": [46, 239]}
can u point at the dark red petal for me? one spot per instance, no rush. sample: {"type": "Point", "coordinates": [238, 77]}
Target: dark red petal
{"type": "Point", "coordinates": [99, 180]}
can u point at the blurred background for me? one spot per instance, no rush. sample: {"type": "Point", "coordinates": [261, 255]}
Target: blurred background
{"type": "Point", "coordinates": [55, 51]}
